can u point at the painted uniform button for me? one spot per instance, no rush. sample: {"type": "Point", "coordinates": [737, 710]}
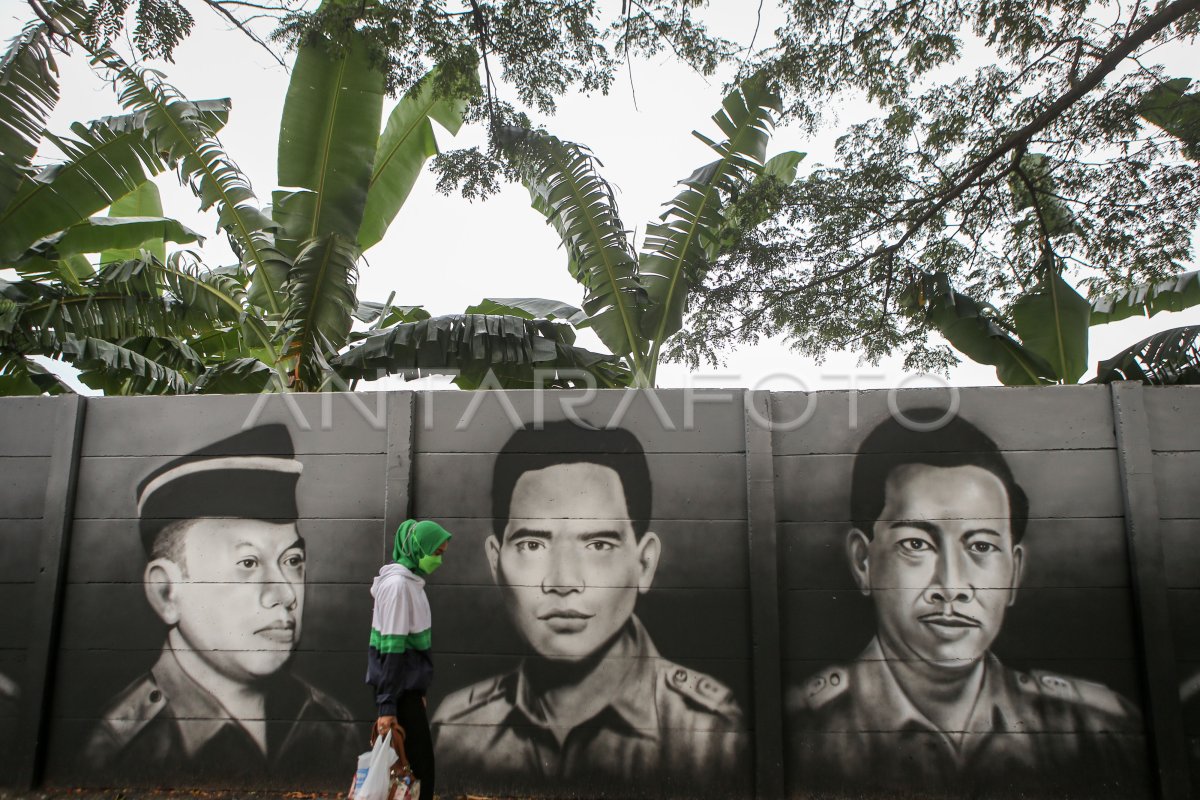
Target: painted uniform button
{"type": "Point", "coordinates": [835, 679]}
{"type": "Point", "coordinates": [155, 696]}
{"type": "Point", "coordinates": [680, 676]}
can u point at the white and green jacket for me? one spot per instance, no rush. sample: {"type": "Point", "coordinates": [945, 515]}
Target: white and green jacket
{"type": "Point", "coordinates": [398, 659]}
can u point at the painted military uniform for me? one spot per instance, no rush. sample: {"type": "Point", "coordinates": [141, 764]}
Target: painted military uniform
{"type": "Point", "coordinates": [165, 726]}
{"type": "Point", "coordinates": [852, 729]}
{"type": "Point", "coordinates": [665, 728]}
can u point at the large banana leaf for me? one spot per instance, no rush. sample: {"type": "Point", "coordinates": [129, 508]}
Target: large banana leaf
{"type": "Point", "coordinates": [1052, 321]}
{"type": "Point", "coordinates": [384, 315]}
{"type": "Point", "coordinates": [144, 201]}
{"type": "Point", "coordinates": [674, 256]}
{"type": "Point", "coordinates": [24, 376]}
{"type": "Point", "coordinates": [240, 376]}
{"type": "Point", "coordinates": [321, 288]}
{"type": "Point", "coordinates": [119, 370]}
{"type": "Point", "coordinates": [327, 142]}
{"type": "Point", "coordinates": [1147, 299]}
{"type": "Point", "coordinates": [1171, 108]}
{"type": "Point", "coordinates": [181, 129]}
{"type": "Point", "coordinates": [471, 345]}
{"type": "Point", "coordinates": [530, 308]}
{"type": "Point", "coordinates": [104, 163]}
{"type": "Point", "coordinates": [565, 186]}
{"type": "Point", "coordinates": [28, 93]}
{"type": "Point", "coordinates": [70, 271]}
{"type": "Point", "coordinates": [214, 299]}
{"type": "Point", "coordinates": [407, 142]}
{"type": "Point", "coordinates": [971, 328]}
{"type": "Point", "coordinates": [49, 316]}
{"type": "Point", "coordinates": [1168, 358]}
{"type": "Point", "coordinates": [173, 353]}
{"type": "Point", "coordinates": [95, 234]}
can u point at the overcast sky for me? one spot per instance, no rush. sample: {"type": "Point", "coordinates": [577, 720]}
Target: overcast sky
{"type": "Point", "coordinates": [445, 253]}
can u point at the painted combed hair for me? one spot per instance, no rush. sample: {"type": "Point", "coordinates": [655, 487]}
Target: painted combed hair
{"type": "Point", "coordinates": [564, 442]}
{"type": "Point", "coordinates": [957, 443]}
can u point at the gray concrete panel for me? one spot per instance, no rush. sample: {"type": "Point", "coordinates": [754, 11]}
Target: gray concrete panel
{"type": "Point", "coordinates": [1015, 417]}
{"type": "Point", "coordinates": [682, 421]}
{"type": "Point", "coordinates": [159, 426]}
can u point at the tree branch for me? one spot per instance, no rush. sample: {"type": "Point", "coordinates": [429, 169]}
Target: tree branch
{"type": "Point", "coordinates": [219, 7]}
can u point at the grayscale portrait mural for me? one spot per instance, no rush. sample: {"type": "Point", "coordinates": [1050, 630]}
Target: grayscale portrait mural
{"type": "Point", "coordinates": [216, 576]}
{"type": "Point", "coordinates": [937, 548]}
{"type": "Point", "coordinates": [600, 695]}
{"type": "Point", "coordinates": [225, 573]}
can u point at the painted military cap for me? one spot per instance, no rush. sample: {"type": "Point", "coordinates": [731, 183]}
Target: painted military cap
{"type": "Point", "coordinates": [250, 475]}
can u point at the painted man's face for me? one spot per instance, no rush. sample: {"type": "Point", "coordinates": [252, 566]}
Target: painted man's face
{"type": "Point", "coordinates": [569, 563]}
{"type": "Point", "coordinates": [941, 566]}
{"type": "Point", "coordinates": [240, 601]}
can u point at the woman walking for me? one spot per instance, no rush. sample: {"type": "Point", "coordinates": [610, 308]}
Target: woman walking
{"type": "Point", "coordinates": [399, 664]}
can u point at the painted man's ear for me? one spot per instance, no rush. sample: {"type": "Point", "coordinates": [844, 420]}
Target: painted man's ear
{"type": "Point", "coordinates": [649, 551]}
{"type": "Point", "coordinates": [492, 547]}
{"type": "Point", "coordinates": [858, 548]}
{"type": "Point", "coordinates": [161, 580]}
{"type": "Point", "coordinates": [1018, 572]}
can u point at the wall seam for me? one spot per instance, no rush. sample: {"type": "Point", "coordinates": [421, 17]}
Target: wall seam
{"type": "Point", "coordinates": [1164, 719]}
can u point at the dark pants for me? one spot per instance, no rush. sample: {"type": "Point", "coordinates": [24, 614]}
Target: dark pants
{"type": "Point", "coordinates": [418, 742]}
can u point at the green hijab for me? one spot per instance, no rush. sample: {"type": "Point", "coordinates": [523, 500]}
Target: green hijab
{"type": "Point", "coordinates": [415, 540]}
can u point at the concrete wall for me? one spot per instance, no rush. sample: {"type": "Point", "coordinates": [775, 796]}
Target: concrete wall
{"type": "Point", "coordinates": [750, 670]}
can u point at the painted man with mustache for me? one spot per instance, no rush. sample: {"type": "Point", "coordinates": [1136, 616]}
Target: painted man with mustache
{"type": "Point", "coordinates": [593, 707]}
{"type": "Point", "coordinates": [936, 544]}
{"type": "Point", "coordinates": [225, 573]}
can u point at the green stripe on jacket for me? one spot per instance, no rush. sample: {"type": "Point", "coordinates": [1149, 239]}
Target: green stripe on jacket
{"type": "Point", "coordinates": [399, 642]}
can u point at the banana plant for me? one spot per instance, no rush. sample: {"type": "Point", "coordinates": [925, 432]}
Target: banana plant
{"type": "Point", "coordinates": [138, 320]}
{"type": "Point", "coordinates": [1045, 341]}
{"type": "Point", "coordinates": [636, 301]}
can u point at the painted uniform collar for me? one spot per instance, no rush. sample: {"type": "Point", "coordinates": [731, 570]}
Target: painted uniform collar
{"type": "Point", "coordinates": [888, 707]}
{"type": "Point", "coordinates": [201, 716]}
{"type": "Point", "coordinates": [632, 698]}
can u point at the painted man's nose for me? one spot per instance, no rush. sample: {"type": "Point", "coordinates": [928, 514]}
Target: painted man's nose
{"type": "Point", "coordinates": [950, 584]}
{"type": "Point", "coordinates": [563, 577]}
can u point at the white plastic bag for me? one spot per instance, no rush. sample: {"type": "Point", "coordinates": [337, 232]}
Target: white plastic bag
{"type": "Point", "coordinates": [376, 784]}
{"type": "Point", "coordinates": [360, 773]}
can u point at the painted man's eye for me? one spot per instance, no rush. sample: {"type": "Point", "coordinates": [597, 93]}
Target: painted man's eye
{"type": "Point", "coordinates": [249, 562]}
{"type": "Point", "coordinates": [294, 560]}
{"type": "Point", "coordinates": [983, 547]}
{"type": "Point", "coordinates": [916, 545]}
{"type": "Point", "coordinates": [603, 547]}
{"type": "Point", "coordinates": [529, 546]}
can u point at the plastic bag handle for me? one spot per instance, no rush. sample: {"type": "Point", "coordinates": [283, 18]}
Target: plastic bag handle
{"type": "Point", "coordinates": [398, 735]}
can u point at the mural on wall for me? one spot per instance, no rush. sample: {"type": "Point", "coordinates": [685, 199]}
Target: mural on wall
{"type": "Point", "coordinates": [936, 545]}
{"type": "Point", "coordinates": [593, 702]}
{"type": "Point", "coordinates": [225, 573]}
